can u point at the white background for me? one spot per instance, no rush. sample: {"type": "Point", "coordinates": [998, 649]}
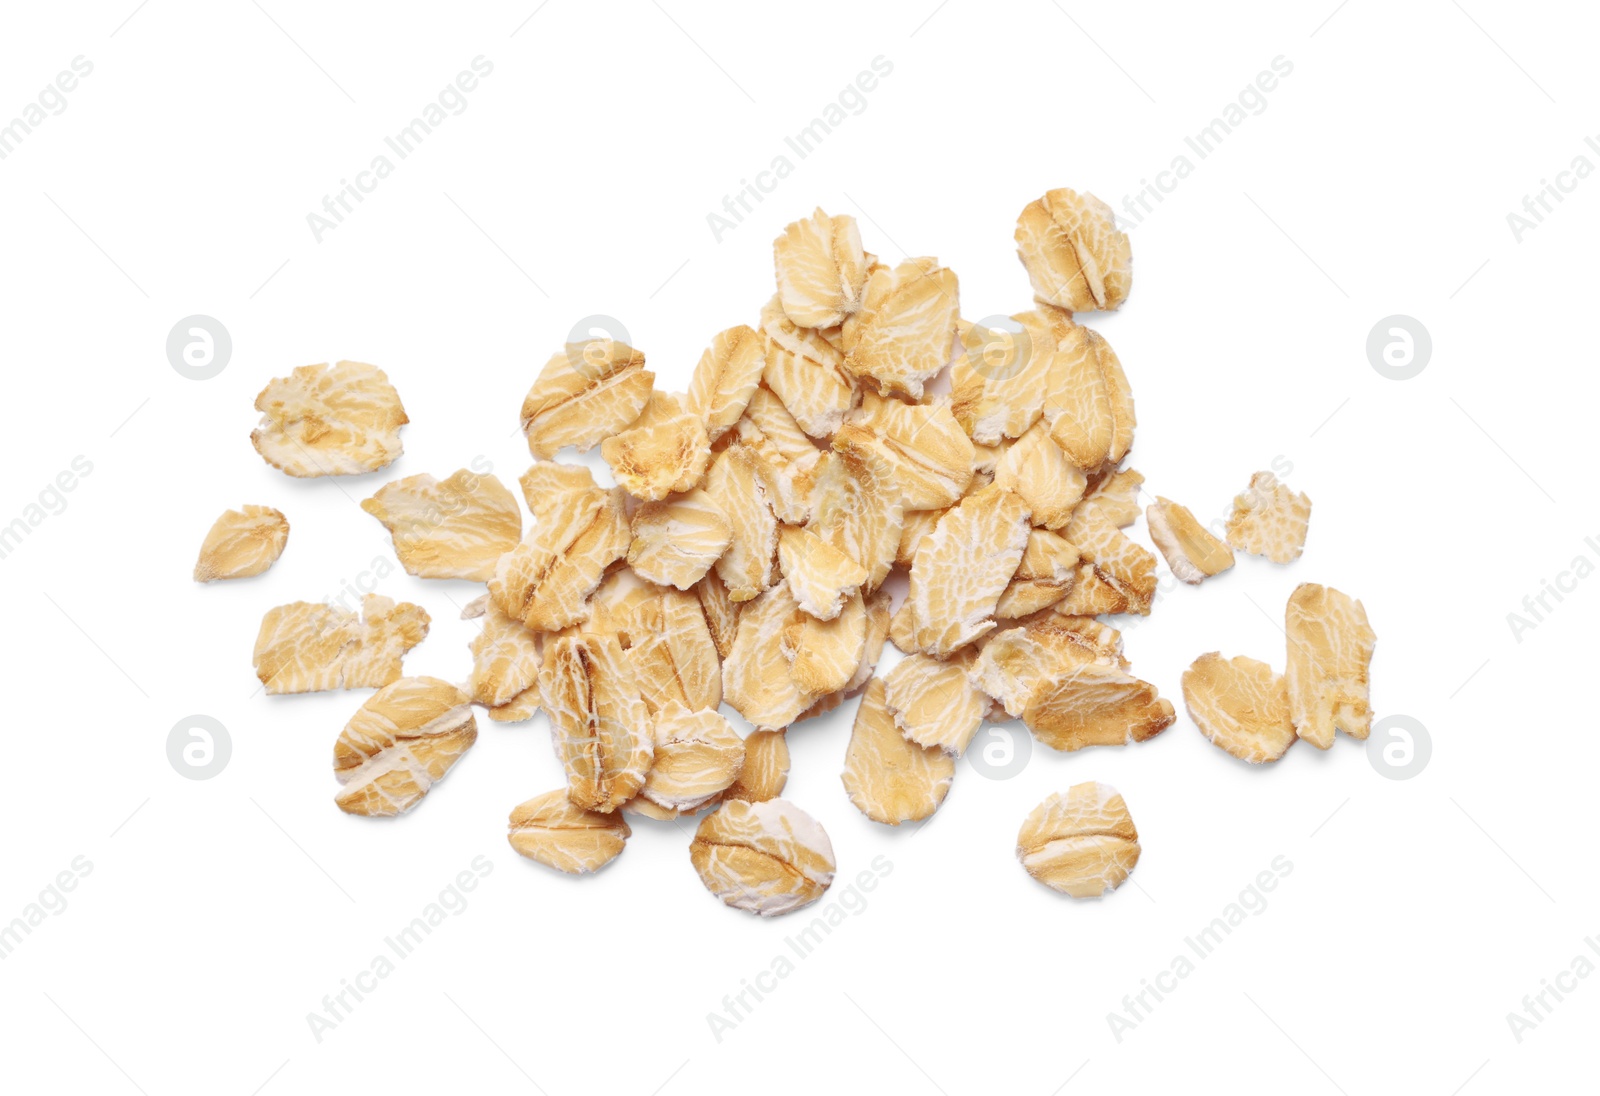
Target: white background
{"type": "Point", "coordinates": [1377, 181]}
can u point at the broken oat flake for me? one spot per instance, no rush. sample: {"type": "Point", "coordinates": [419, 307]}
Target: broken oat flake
{"type": "Point", "coordinates": [307, 647]}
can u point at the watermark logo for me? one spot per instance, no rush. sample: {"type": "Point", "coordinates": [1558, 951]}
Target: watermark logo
{"type": "Point", "coordinates": [1137, 1007]}
{"type": "Point", "coordinates": [851, 101]}
{"type": "Point", "coordinates": [841, 906]}
{"type": "Point", "coordinates": [1250, 102]}
{"type": "Point", "coordinates": [51, 501]}
{"type": "Point", "coordinates": [998, 348]}
{"type": "Point", "coordinates": [1536, 607]}
{"type": "Point", "coordinates": [49, 103]}
{"type": "Point", "coordinates": [585, 349]}
{"type": "Point", "coordinates": [1000, 751]}
{"type": "Point", "coordinates": [1399, 347]}
{"type": "Point", "coordinates": [1543, 202]}
{"type": "Point", "coordinates": [51, 902]}
{"type": "Point", "coordinates": [450, 102]}
{"type": "Point", "coordinates": [199, 347]}
{"type": "Point", "coordinates": [1399, 747]}
{"type": "Point", "coordinates": [338, 1006]}
{"type": "Point", "coordinates": [198, 747]}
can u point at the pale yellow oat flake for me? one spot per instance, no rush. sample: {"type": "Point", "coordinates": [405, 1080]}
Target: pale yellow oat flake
{"type": "Point", "coordinates": [665, 450]}
{"type": "Point", "coordinates": [821, 269]}
{"type": "Point", "coordinates": [586, 392]}
{"type": "Point", "coordinates": [1269, 520]}
{"type": "Point", "coordinates": [962, 568]}
{"type": "Point", "coordinates": [698, 756]}
{"type": "Point", "coordinates": [1075, 255]}
{"type": "Point", "coordinates": [603, 733]}
{"type": "Point", "coordinates": [1241, 705]}
{"type": "Point", "coordinates": [1330, 656]}
{"type": "Point", "coordinates": [767, 858]}
{"type": "Point", "coordinates": [934, 703]}
{"type": "Point", "coordinates": [242, 543]}
{"type": "Point", "coordinates": [889, 778]}
{"type": "Point", "coordinates": [1190, 550]}
{"type": "Point", "coordinates": [400, 743]}
{"type": "Point", "coordinates": [1081, 842]}
{"type": "Point", "coordinates": [329, 420]}
{"type": "Point", "coordinates": [678, 539]}
{"type": "Point", "coordinates": [558, 833]}
{"type": "Point", "coordinates": [307, 647]}
{"type": "Point", "coordinates": [454, 528]}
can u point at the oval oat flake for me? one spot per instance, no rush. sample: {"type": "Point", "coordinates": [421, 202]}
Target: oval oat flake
{"type": "Point", "coordinates": [400, 743]}
{"type": "Point", "coordinates": [767, 858]}
{"type": "Point", "coordinates": [558, 833]}
{"type": "Point", "coordinates": [1080, 842]}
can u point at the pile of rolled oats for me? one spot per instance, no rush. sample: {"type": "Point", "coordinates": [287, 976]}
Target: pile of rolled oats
{"type": "Point", "coordinates": [863, 466]}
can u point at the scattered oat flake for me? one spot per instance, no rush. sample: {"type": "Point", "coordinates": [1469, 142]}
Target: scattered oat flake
{"type": "Point", "coordinates": [1081, 842]}
{"type": "Point", "coordinates": [616, 602]}
{"type": "Point", "coordinates": [890, 779]}
{"type": "Point", "coordinates": [1269, 520]}
{"type": "Point", "coordinates": [546, 482]}
{"type": "Point", "coordinates": [1094, 705]}
{"type": "Point", "coordinates": [905, 329]}
{"type": "Point", "coordinates": [329, 420]}
{"type": "Point", "coordinates": [933, 703]}
{"type": "Point", "coordinates": [748, 567]}
{"type": "Point", "coordinates": [586, 392]}
{"type": "Point", "coordinates": [767, 858]}
{"type": "Point", "coordinates": [915, 524]}
{"type": "Point", "coordinates": [1241, 705]}
{"type": "Point", "coordinates": [1112, 495]}
{"type": "Point", "coordinates": [821, 270]}
{"type": "Point", "coordinates": [457, 528]}
{"type": "Point", "coordinates": [1076, 257]}
{"type": "Point", "coordinates": [928, 453]}
{"type": "Point", "coordinates": [666, 450]}
{"type": "Point", "coordinates": [1192, 552]}
{"type": "Point", "coordinates": [242, 543]}
{"type": "Point", "coordinates": [307, 647]}
{"type": "Point", "coordinates": [546, 580]}
{"type": "Point", "coordinates": [1045, 576]}
{"type": "Point", "coordinates": [823, 654]}
{"type": "Point", "coordinates": [1041, 475]}
{"type": "Point", "coordinates": [962, 568]}
{"type": "Point", "coordinates": [1128, 568]}
{"type": "Point", "coordinates": [720, 611]}
{"type": "Point", "coordinates": [558, 833]}
{"type": "Point", "coordinates": [672, 652]}
{"type": "Point", "coordinates": [756, 681]}
{"type": "Point", "coordinates": [524, 706]}
{"type": "Point", "coordinates": [678, 539]}
{"type": "Point", "coordinates": [726, 378]}
{"type": "Point", "coordinates": [856, 507]}
{"type": "Point", "coordinates": [765, 770]}
{"type": "Point", "coordinates": [602, 729]}
{"type": "Point", "coordinates": [806, 372]}
{"type": "Point", "coordinates": [400, 743]}
{"type": "Point", "coordinates": [999, 379]}
{"type": "Point", "coordinates": [785, 457]}
{"type": "Point", "coordinates": [1330, 656]}
{"type": "Point", "coordinates": [820, 576]}
{"type": "Point", "coordinates": [1017, 663]}
{"type": "Point", "coordinates": [1081, 405]}
{"type": "Point", "coordinates": [505, 666]}
{"type": "Point", "coordinates": [698, 756]}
